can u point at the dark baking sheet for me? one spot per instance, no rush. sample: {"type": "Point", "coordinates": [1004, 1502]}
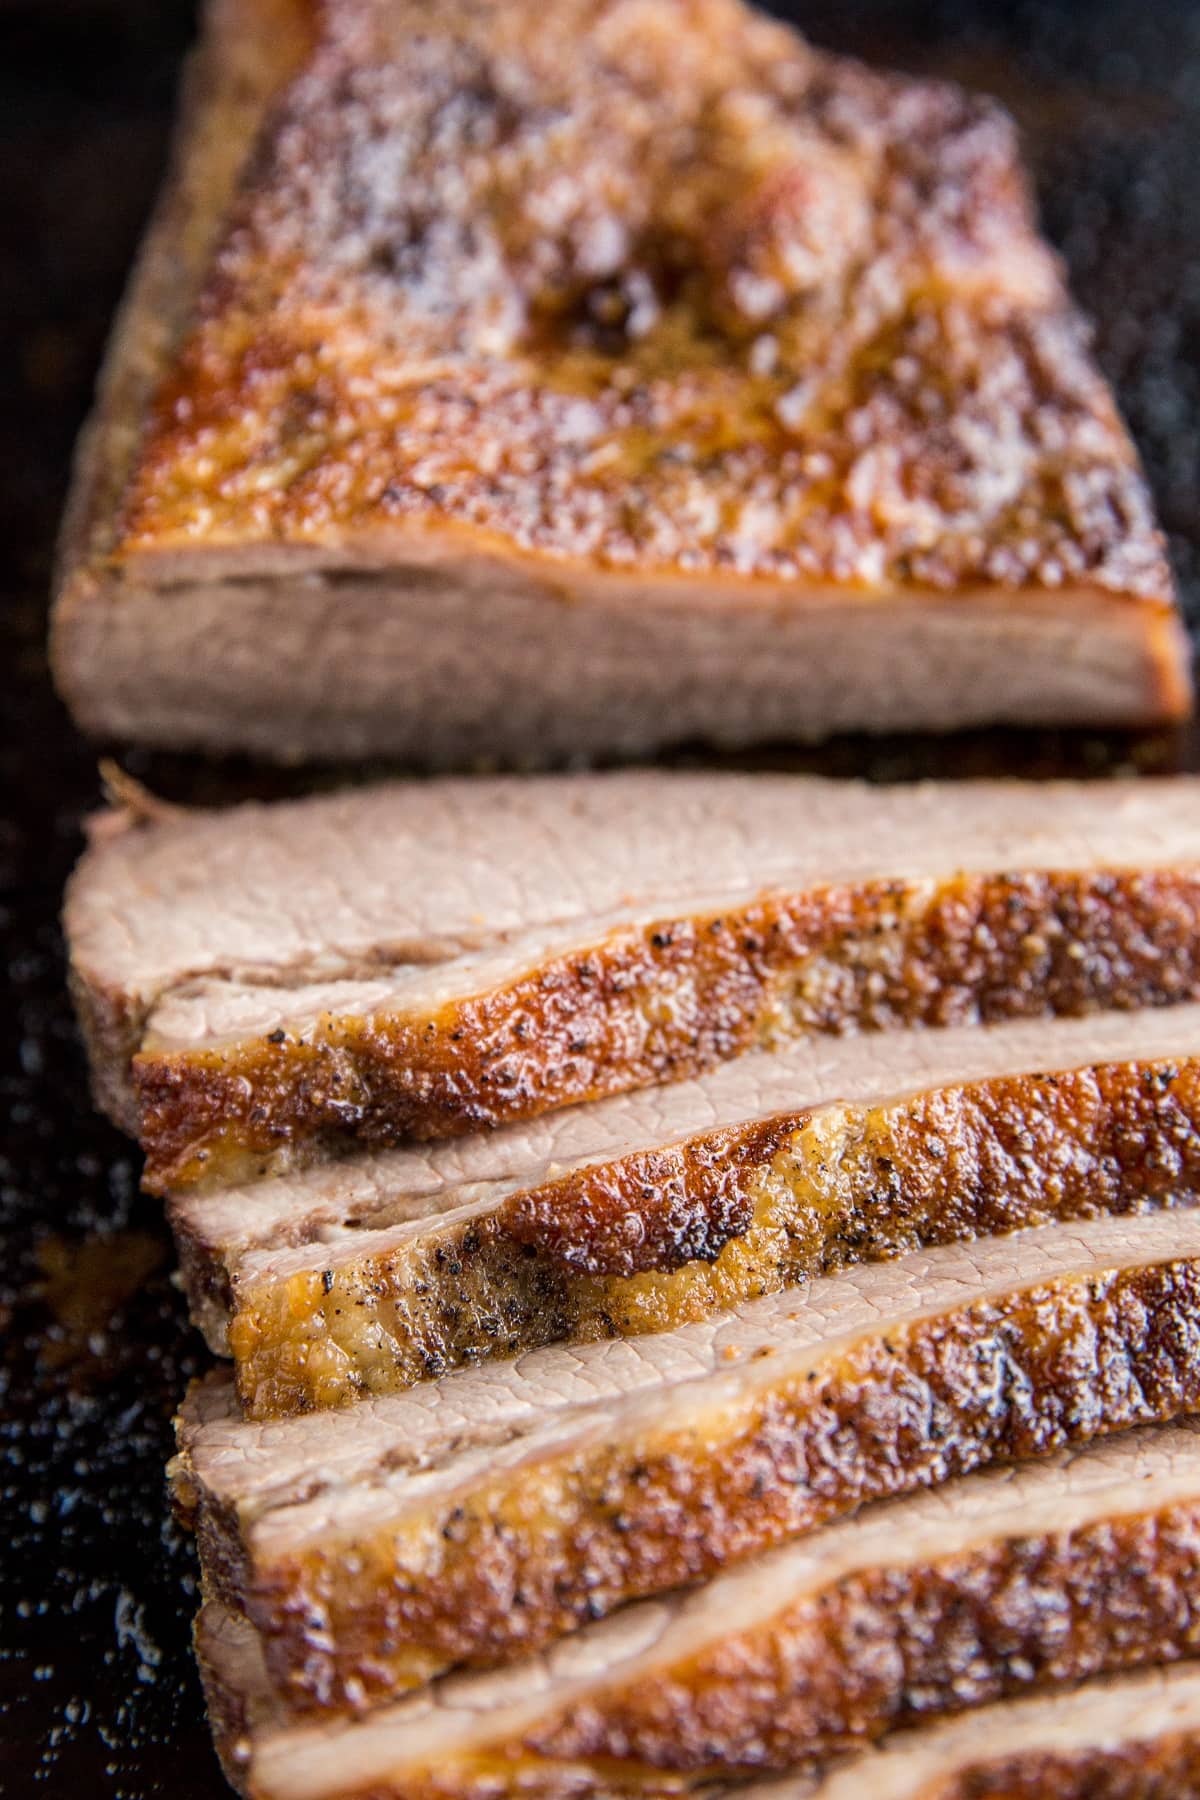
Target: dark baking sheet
{"type": "Point", "coordinates": [97, 1692]}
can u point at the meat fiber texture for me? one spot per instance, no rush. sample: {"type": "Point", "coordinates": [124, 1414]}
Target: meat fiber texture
{"type": "Point", "coordinates": [653, 1208]}
{"type": "Point", "coordinates": [990, 1586]}
{"type": "Point", "coordinates": [476, 1518]}
{"type": "Point", "coordinates": [263, 985]}
{"type": "Point", "coordinates": [1136, 1738]}
{"type": "Point", "coordinates": [530, 382]}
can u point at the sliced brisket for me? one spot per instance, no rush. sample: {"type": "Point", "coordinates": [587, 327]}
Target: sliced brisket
{"type": "Point", "coordinates": [1134, 1738]}
{"type": "Point", "coordinates": [258, 984]}
{"type": "Point", "coordinates": [370, 1253]}
{"type": "Point", "coordinates": [992, 1585]}
{"type": "Point", "coordinates": [477, 1517]}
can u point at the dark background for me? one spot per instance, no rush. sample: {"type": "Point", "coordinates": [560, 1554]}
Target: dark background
{"type": "Point", "coordinates": [97, 1693]}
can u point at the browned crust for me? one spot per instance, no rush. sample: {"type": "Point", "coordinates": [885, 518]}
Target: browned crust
{"type": "Point", "coordinates": [230, 1707]}
{"type": "Point", "coordinates": [1166, 1768]}
{"type": "Point", "coordinates": [553, 1262]}
{"type": "Point", "coordinates": [443, 358]}
{"type": "Point", "coordinates": [110, 1027]}
{"type": "Point", "coordinates": [891, 1646]}
{"type": "Point", "coordinates": [1161, 1768]}
{"type": "Point", "coordinates": [324, 359]}
{"type": "Point", "coordinates": [667, 1001]}
{"type": "Point", "coordinates": [246, 55]}
{"type": "Point", "coordinates": [207, 1280]}
{"type": "Point", "coordinates": [492, 1572]}
{"type": "Point", "coordinates": [880, 1649]}
{"type": "Point", "coordinates": [664, 1236]}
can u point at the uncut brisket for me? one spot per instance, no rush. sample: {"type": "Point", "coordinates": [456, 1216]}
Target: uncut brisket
{"type": "Point", "coordinates": [534, 382]}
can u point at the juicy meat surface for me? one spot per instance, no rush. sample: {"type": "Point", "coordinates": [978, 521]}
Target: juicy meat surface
{"type": "Point", "coordinates": [389, 1541]}
{"type": "Point", "coordinates": [376, 1298]}
{"type": "Point", "coordinates": [1136, 1737]}
{"type": "Point", "coordinates": [990, 1585]}
{"type": "Point", "coordinates": [259, 983]}
{"type": "Point", "coordinates": [734, 372]}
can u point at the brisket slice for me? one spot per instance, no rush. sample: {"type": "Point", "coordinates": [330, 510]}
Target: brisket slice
{"type": "Point", "coordinates": [477, 1517]}
{"type": "Point", "coordinates": [783, 425]}
{"type": "Point", "coordinates": [986, 1587]}
{"type": "Point", "coordinates": [1136, 1737]}
{"type": "Point", "coordinates": [424, 960]}
{"type": "Point", "coordinates": [349, 1292]}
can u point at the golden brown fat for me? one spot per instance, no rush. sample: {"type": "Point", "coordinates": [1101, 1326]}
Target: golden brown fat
{"type": "Point", "coordinates": [667, 1235]}
{"type": "Point", "coordinates": [802, 262]}
{"type": "Point", "coordinates": [995, 1586]}
{"type": "Point", "coordinates": [662, 1001]}
{"type": "Point", "coordinates": [581, 1482]}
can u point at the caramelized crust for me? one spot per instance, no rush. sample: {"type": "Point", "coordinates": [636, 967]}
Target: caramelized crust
{"type": "Point", "coordinates": [890, 1645]}
{"type": "Point", "coordinates": [1166, 1769]}
{"type": "Point", "coordinates": [497, 1569]}
{"type": "Point", "coordinates": [1159, 1770]}
{"type": "Point", "coordinates": [644, 286]}
{"type": "Point", "coordinates": [664, 1236]}
{"type": "Point", "coordinates": [887, 1647]}
{"type": "Point", "coordinates": [248, 54]}
{"type": "Point", "coordinates": [659, 1003]}
{"type": "Point", "coordinates": [636, 327]}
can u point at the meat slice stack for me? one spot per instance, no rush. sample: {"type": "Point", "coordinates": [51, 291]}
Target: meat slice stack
{"type": "Point", "coordinates": [686, 1199]}
{"type": "Point", "coordinates": [580, 1478]}
{"type": "Point", "coordinates": [1135, 1737]}
{"type": "Point", "coordinates": [1082, 1564]}
{"type": "Point", "coordinates": [263, 986]}
{"type": "Point", "coordinates": [711, 1268]}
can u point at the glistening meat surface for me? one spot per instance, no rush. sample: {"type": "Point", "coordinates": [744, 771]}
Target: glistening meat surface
{"type": "Point", "coordinates": [479, 1516]}
{"type": "Point", "coordinates": [989, 1585]}
{"type": "Point", "coordinates": [1133, 1738]}
{"type": "Point", "coordinates": [676, 1231]}
{"type": "Point", "coordinates": [732, 374]}
{"type": "Point", "coordinates": [258, 985]}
